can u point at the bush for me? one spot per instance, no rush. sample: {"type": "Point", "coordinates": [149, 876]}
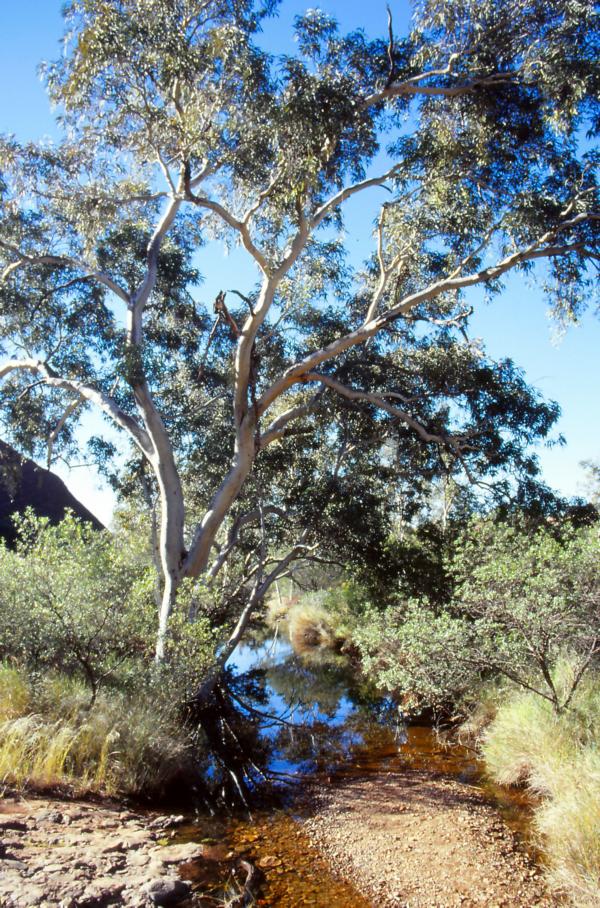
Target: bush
{"type": "Point", "coordinates": [418, 655]}
{"type": "Point", "coordinates": [531, 597]}
{"type": "Point", "coordinates": [74, 600]}
{"type": "Point", "coordinates": [522, 599]}
{"type": "Point", "coordinates": [81, 700]}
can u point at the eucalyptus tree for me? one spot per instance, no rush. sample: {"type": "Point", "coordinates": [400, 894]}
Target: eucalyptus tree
{"type": "Point", "coordinates": [261, 422]}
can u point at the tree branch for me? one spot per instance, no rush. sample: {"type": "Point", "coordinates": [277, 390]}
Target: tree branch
{"type": "Point", "coordinates": [542, 248]}
{"type": "Point", "coordinates": [378, 401]}
{"type": "Point", "coordinates": [67, 261]}
{"type": "Point", "coordinates": [256, 597]}
{"type": "Point", "coordinates": [242, 521]}
{"type": "Point", "coordinates": [145, 288]}
{"type": "Point", "coordinates": [240, 226]}
{"type": "Point", "coordinates": [347, 193]}
{"type": "Point", "coordinates": [412, 87]}
{"type": "Point", "coordinates": [70, 409]}
{"type": "Point", "coordinates": [88, 392]}
{"type": "Point", "coordinates": [277, 429]}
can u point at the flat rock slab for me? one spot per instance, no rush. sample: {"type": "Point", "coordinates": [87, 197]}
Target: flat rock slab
{"type": "Point", "coordinates": [89, 856]}
{"type": "Point", "coordinates": [178, 854]}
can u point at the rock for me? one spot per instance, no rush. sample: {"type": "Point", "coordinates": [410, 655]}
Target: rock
{"type": "Point", "coordinates": [76, 815]}
{"type": "Point", "coordinates": [102, 891]}
{"type": "Point", "coordinates": [167, 892]}
{"type": "Point", "coordinates": [14, 825]}
{"type": "Point", "coordinates": [32, 895]}
{"type": "Point", "coordinates": [114, 845]}
{"type": "Point", "coordinates": [53, 868]}
{"type": "Point", "coordinates": [86, 861]}
{"type": "Point", "coordinates": [137, 839]}
{"type": "Point", "coordinates": [138, 859]}
{"type": "Point", "coordinates": [49, 816]}
{"type": "Point", "coordinates": [215, 852]}
{"type": "Point", "coordinates": [116, 865]}
{"type": "Point", "coordinates": [178, 854]}
{"type": "Point", "coordinates": [13, 864]}
{"type": "Point", "coordinates": [9, 845]}
{"type": "Point", "coordinates": [166, 822]}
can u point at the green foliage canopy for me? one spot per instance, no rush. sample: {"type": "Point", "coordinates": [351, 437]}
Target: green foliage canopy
{"type": "Point", "coordinates": [258, 428]}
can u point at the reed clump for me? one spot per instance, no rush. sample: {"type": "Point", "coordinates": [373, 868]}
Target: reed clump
{"type": "Point", "coordinates": [557, 756]}
{"type": "Point", "coordinates": [51, 734]}
{"type": "Point", "coordinates": [309, 628]}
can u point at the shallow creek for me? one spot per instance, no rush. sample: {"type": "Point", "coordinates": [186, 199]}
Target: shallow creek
{"type": "Point", "coordinates": [335, 732]}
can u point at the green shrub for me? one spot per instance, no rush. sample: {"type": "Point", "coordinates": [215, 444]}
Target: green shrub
{"type": "Point", "coordinates": [521, 600]}
{"type": "Point", "coordinates": [531, 597]}
{"type": "Point", "coordinates": [74, 600]}
{"type": "Point", "coordinates": [418, 655]}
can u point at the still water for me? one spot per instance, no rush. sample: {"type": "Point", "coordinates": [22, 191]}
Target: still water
{"type": "Point", "coordinates": [331, 726]}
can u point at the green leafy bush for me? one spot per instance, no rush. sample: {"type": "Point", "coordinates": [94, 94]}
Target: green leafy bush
{"type": "Point", "coordinates": [531, 597]}
{"type": "Point", "coordinates": [521, 601]}
{"type": "Point", "coordinates": [417, 654]}
{"type": "Point", "coordinates": [81, 700]}
{"type": "Point", "coordinates": [74, 600]}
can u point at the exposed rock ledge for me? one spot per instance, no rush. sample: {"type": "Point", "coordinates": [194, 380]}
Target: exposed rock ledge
{"type": "Point", "coordinates": [81, 855]}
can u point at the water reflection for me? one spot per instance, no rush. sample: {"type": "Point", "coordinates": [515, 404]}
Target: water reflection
{"type": "Point", "coordinates": [314, 713]}
{"type": "Point", "coordinates": [289, 720]}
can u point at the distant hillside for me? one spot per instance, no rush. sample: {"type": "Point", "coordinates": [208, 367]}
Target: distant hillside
{"type": "Point", "coordinates": [25, 485]}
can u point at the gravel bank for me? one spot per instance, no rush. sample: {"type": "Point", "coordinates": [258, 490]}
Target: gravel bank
{"type": "Point", "coordinates": [417, 840]}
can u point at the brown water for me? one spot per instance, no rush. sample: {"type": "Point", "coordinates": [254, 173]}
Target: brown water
{"type": "Point", "coordinates": [293, 873]}
{"type": "Point", "coordinates": [339, 736]}
{"type": "Point", "coordinates": [426, 750]}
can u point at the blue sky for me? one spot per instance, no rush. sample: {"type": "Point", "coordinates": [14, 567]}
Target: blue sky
{"type": "Point", "coordinates": [566, 370]}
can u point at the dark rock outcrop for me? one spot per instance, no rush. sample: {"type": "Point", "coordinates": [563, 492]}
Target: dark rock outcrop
{"type": "Point", "coordinates": [23, 484]}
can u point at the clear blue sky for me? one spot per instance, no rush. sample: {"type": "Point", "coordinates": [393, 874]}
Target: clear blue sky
{"type": "Point", "coordinates": [517, 326]}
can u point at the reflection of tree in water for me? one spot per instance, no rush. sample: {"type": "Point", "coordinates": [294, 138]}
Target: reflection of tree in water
{"type": "Point", "coordinates": [330, 714]}
{"type": "Point", "coordinates": [312, 688]}
{"type": "Point", "coordinates": [238, 751]}
{"type": "Point", "coordinates": [308, 715]}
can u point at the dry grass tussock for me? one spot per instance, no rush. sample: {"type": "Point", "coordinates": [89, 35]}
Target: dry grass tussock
{"type": "Point", "coordinates": [558, 757]}
{"type": "Point", "coordinates": [51, 735]}
{"type": "Point", "coordinates": [306, 623]}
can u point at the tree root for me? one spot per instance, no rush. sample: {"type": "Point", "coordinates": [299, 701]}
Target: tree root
{"type": "Point", "coordinates": [247, 894]}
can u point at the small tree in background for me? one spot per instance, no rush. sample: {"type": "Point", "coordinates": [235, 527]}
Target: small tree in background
{"type": "Point", "coordinates": [74, 600]}
{"type": "Point", "coordinates": [521, 602]}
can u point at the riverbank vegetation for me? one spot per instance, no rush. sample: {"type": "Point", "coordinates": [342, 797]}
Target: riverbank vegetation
{"type": "Point", "coordinates": [53, 737]}
{"type": "Point", "coordinates": [557, 756]}
{"type": "Point", "coordinates": [79, 706]}
{"type": "Point", "coordinates": [513, 652]}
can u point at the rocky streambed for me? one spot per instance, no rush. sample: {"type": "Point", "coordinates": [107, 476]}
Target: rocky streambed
{"type": "Point", "coordinates": [391, 839]}
{"type": "Point", "coordinates": [415, 839]}
{"type": "Point", "coordinates": [378, 819]}
{"type": "Point", "coordinates": [78, 855]}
